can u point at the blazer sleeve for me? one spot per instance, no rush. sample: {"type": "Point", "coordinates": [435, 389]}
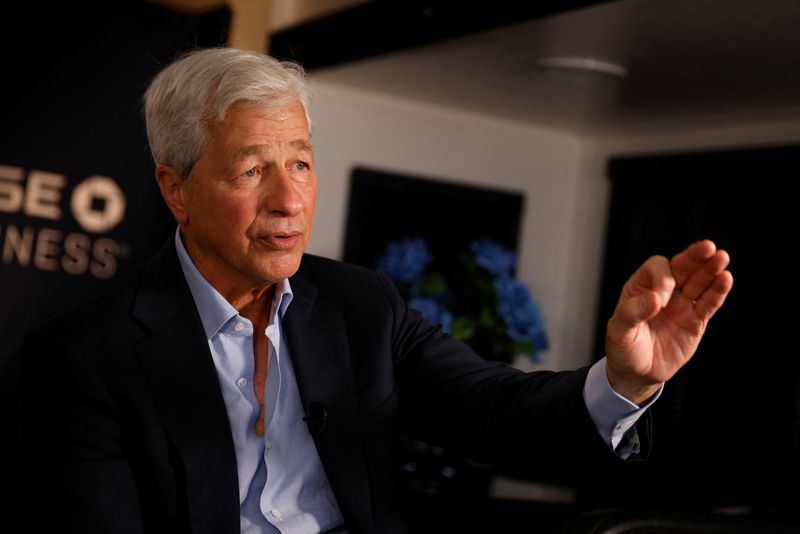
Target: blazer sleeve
{"type": "Point", "coordinates": [531, 423]}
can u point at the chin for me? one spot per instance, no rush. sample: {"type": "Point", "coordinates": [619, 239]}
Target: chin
{"type": "Point", "coordinates": [276, 269]}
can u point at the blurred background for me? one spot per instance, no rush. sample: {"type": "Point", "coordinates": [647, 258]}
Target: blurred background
{"type": "Point", "coordinates": [627, 128]}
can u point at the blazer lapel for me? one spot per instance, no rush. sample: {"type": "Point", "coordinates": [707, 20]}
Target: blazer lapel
{"type": "Point", "coordinates": [178, 364]}
{"type": "Point", "coordinates": [315, 333]}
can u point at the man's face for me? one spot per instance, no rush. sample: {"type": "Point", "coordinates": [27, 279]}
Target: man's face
{"type": "Point", "coordinates": [249, 202]}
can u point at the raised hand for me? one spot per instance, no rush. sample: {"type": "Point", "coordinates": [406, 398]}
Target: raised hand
{"type": "Point", "coordinates": [661, 316]}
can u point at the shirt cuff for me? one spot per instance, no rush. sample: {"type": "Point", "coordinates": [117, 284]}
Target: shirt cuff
{"type": "Point", "coordinates": [613, 414]}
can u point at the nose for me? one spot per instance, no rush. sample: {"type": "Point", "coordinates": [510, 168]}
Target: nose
{"type": "Point", "coordinates": [281, 196]}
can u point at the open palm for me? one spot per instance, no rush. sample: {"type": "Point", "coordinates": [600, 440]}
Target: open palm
{"type": "Point", "coordinates": [661, 316]}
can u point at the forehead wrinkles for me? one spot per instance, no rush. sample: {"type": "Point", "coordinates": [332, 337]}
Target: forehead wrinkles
{"type": "Point", "coordinates": [251, 130]}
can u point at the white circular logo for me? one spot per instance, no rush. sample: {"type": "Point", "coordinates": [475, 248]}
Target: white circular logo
{"type": "Point", "coordinates": [98, 218]}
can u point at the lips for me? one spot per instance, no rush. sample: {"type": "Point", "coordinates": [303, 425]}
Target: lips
{"type": "Point", "coordinates": [281, 240]}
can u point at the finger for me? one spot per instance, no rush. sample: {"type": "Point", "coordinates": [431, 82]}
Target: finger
{"type": "Point", "coordinates": [654, 275]}
{"type": "Point", "coordinates": [705, 275]}
{"type": "Point", "coordinates": [647, 291]}
{"type": "Point", "coordinates": [713, 297]}
{"type": "Point", "coordinates": [635, 310]}
{"type": "Point", "coordinates": [687, 262]}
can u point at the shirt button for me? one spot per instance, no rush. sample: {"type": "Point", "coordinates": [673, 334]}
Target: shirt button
{"type": "Point", "coordinates": [239, 327]}
{"type": "Point", "coordinates": [276, 514]}
{"type": "Point", "coordinates": [268, 444]}
{"type": "Point", "coordinates": [242, 382]}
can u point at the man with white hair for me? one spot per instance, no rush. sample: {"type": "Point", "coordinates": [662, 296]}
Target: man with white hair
{"type": "Point", "coordinates": [235, 383]}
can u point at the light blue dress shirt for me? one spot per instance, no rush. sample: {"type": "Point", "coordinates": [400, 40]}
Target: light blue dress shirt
{"type": "Point", "coordinates": [282, 485]}
{"type": "Point", "coordinates": [613, 414]}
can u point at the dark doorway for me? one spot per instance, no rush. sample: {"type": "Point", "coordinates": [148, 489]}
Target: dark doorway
{"type": "Point", "coordinates": [727, 428]}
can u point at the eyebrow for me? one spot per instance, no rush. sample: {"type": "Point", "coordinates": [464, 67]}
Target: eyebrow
{"type": "Point", "coordinates": [300, 144]}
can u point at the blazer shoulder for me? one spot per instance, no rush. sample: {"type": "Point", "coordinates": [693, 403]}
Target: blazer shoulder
{"type": "Point", "coordinates": [346, 281]}
{"type": "Point", "coordinates": [110, 310]}
{"type": "Point", "coordinates": [320, 270]}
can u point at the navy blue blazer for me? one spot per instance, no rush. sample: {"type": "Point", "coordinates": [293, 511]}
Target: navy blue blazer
{"type": "Point", "coordinates": [124, 422]}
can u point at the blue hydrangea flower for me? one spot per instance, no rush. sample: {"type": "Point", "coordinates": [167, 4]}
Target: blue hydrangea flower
{"type": "Point", "coordinates": [521, 314]}
{"type": "Point", "coordinates": [405, 259]}
{"type": "Point", "coordinates": [540, 342]}
{"type": "Point", "coordinates": [406, 262]}
{"type": "Point", "coordinates": [493, 257]}
{"type": "Point", "coordinates": [433, 312]}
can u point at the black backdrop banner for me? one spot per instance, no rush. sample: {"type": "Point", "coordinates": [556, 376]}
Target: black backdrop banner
{"type": "Point", "coordinates": [78, 201]}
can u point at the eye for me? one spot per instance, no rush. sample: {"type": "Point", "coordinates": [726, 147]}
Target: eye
{"type": "Point", "coordinates": [301, 165]}
{"type": "Point", "coordinates": [250, 173]}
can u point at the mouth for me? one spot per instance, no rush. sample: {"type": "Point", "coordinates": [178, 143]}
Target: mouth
{"type": "Point", "coordinates": [281, 240]}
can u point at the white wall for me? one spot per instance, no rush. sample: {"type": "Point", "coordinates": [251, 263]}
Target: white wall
{"type": "Point", "coordinates": [358, 128]}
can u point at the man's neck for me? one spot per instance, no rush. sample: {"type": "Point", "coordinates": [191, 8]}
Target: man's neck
{"type": "Point", "coordinates": [256, 305]}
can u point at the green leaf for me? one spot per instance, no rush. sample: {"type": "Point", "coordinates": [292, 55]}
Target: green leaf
{"type": "Point", "coordinates": [434, 286]}
{"type": "Point", "coordinates": [463, 328]}
{"type": "Point", "coordinates": [487, 318]}
{"type": "Point", "coordinates": [523, 347]}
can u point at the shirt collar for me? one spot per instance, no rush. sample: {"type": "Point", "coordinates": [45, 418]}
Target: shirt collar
{"type": "Point", "coordinates": [214, 310]}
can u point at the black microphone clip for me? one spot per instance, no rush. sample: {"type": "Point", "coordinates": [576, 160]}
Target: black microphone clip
{"type": "Point", "coordinates": [316, 417]}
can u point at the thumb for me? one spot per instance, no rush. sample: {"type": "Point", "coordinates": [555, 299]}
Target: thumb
{"type": "Point", "coordinates": [636, 309]}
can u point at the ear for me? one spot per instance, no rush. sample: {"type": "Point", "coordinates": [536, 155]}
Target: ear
{"type": "Point", "coordinates": [171, 185]}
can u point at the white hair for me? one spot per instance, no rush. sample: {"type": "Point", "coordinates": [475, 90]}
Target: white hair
{"type": "Point", "coordinates": [197, 90]}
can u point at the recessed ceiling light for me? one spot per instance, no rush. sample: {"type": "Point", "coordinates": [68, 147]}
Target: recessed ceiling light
{"type": "Point", "coordinates": [586, 64]}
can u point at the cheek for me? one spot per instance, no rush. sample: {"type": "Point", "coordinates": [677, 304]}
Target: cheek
{"type": "Point", "coordinates": [228, 213]}
{"type": "Point", "coordinates": [310, 199]}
